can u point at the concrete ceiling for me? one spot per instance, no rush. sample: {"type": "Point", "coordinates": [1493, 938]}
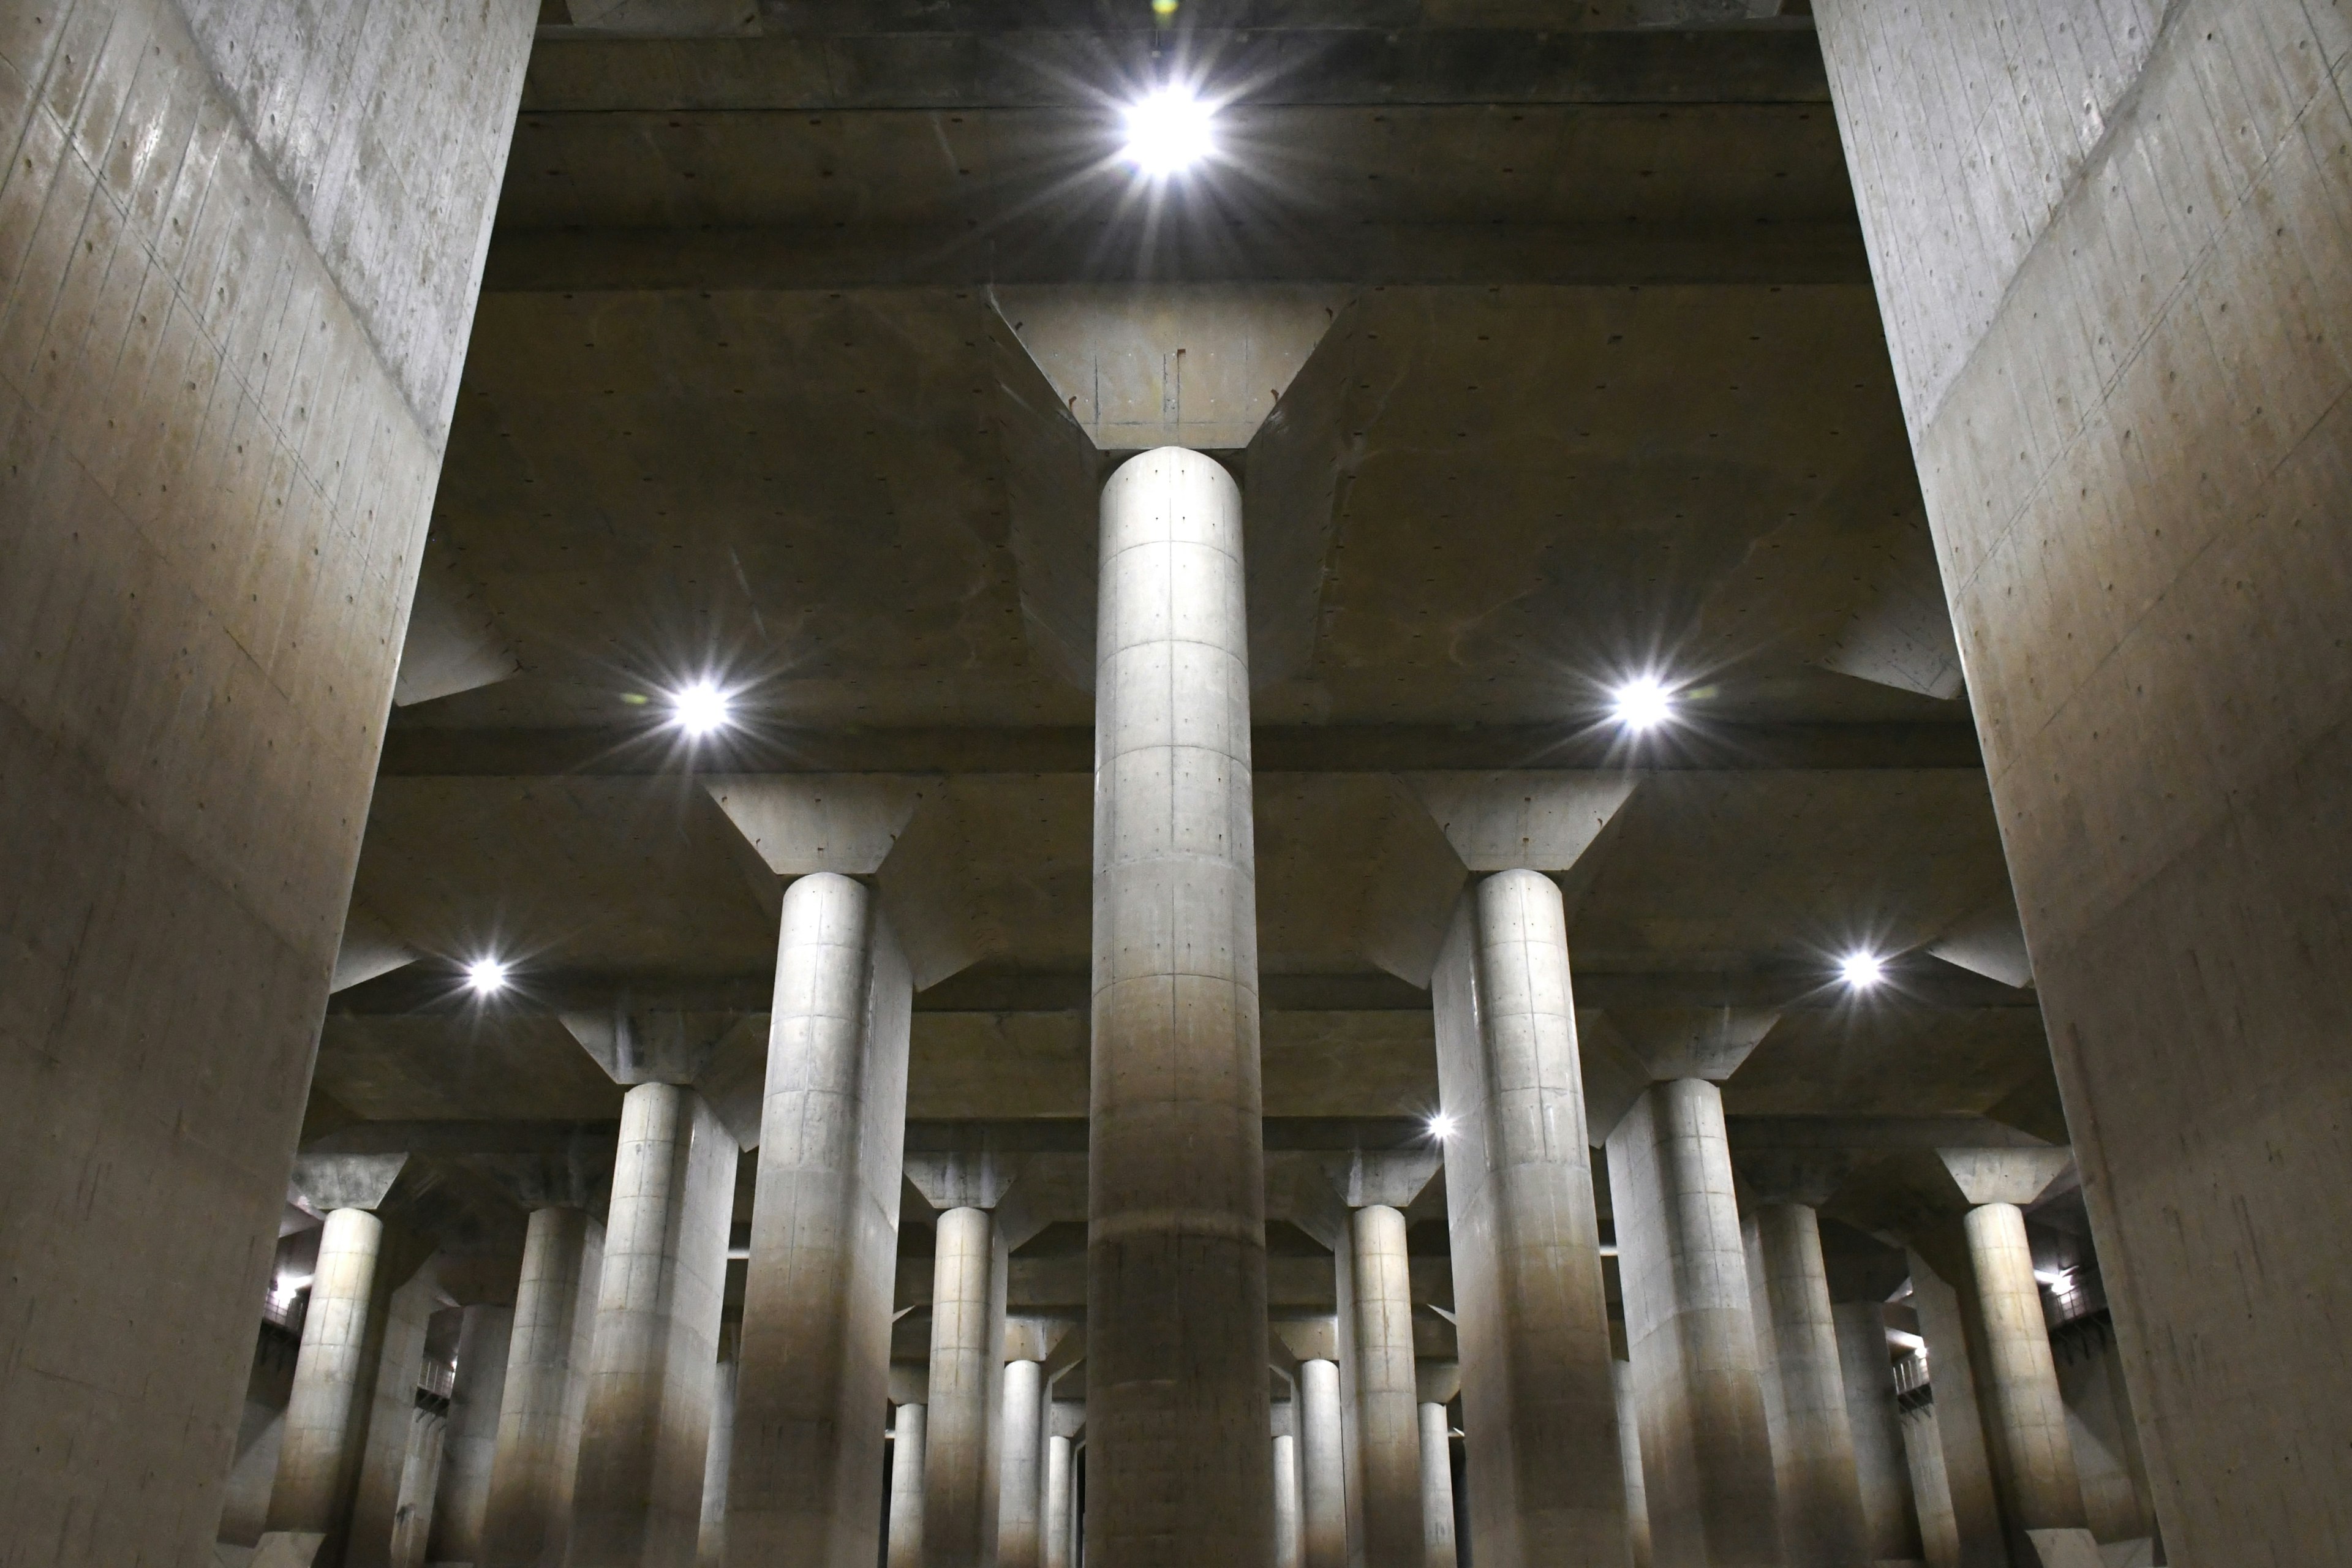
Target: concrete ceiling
{"type": "Point", "coordinates": [810, 334]}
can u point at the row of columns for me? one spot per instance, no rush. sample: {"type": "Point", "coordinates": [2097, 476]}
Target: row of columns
{"type": "Point", "coordinates": [604, 1461]}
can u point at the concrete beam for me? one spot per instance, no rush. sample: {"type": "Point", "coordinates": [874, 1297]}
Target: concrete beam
{"type": "Point", "coordinates": [413, 751]}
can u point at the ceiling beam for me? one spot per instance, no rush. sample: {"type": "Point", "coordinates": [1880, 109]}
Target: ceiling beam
{"type": "Point", "coordinates": [418, 751]}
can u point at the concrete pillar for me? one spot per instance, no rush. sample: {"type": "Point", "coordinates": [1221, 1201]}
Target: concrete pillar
{"type": "Point", "coordinates": [1436, 1488]}
{"type": "Point", "coordinates": [225, 402]}
{"type": "Point", "coordinates": [2163, 259]}
{"type": "Point", "coordinates": [1880, 1468]}
{"type": "Point", "coordinates": [905, 1545]}
{"type": "Point", "coordinates": [964, 1351]}
{"type": "Point", "coordinates": [1177, 1391]}
{"type": "Point", "coordinates": [1539, 1402]}
{"type": "Point", "coordinates": [1289, 1525]}
{"type": "Point", "coordinates": [637, 1499]}
{"type": "Point", "coordinates": [423, 1485]}
{"type": "Point", "coordinates": [1388, 1417]}
{"type": "Point", "coordinates": [326, 1417]}
{"type": "Point", "coordinates": [710, 1540]}
{"type": "Point", "coordinates": [1707, 1457]}
{"type": "Point", "coordinates": [2041, 1493]}
{"type": "Point", "coordinates": [1628, 1448]}
{"type": "Point", "coordinates": [1820, 1489]}
{"type": "Point", "coordinates": [470, 1446]}
{"type": "Point", "coordinates": [1020, 1486]}
{"type": "Point", "coordinates": [1054, 1547]}
{"type": "Point", "coordinates": [1931, 1492]}
{"type": "Point", "coordinates": [527, 1519]}
{"type": "Point", "coordinates": [392, 1409]}
{"type": "Point", "coordinates": [1323, 1466]}
{"type": "Point", "coordinates": [1962, 1455]}
{"type": "Point", "coordinates": [807, 1477]}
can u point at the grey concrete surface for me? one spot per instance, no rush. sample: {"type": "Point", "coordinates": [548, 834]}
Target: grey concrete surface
{"type": "Point", "coordinates": [469, 1445]}
{"type": "Point", "coordinates": [1388, 1406]}
{"type": "Point", "coordinates": [646, 1426]}
{"type": "Point", "coordinates": [390, 1445]}
{"type": "Point", "coordinates": [2026, 1425]}
{"type": "Point", "coordinates": [527, 1517]}
{"type": "Point", "coordinates": [710, 1539]}
{"type": "Point", "coordinates": [1055, 1518]}
{"type": "Point", "coordinates": [807, 1454]}
{"type": "Point", "coordinates": [1881, 1469]}
{"type": "Point", "coordinates": [1178, 1467]}
{"type": "Point", "coordinates": [959, 1432]}
{"type": "Point", "coordinates": [1923, 1451]}
{"type": "Point", "coordinates": [1573, 367]}
{"type": "Point", "coordinates": [326, 1416]}
{"type": "Point", "coordinates": [1323, 1466]}
{"type": "Point", "coordinates": [1629, 1444]}
{"type": "Point", "coordinates": [1961, 1450]}
{"type": "Point", "coordinates": [1538, 1400]}
{"type": "Point", "coordinates": [422, 1475]}
{"type": "Point", "coordinates": [1706, 1454]}
{"type": "Point", "coordinates": [1437, 1489]}
{"type": "Point", "coordinates": [1021, 1481]}
{"type": "Point", "coordinates": [229, 355]}
{"type": "Point", "coordinates": [2137, 620]}
{"type": "Point", "coordinates": [1290, 1516]}
{"type": "Point", "coordinates": [905, 1529]}
{"type": "Point", "coordinates": [1819, 1482]}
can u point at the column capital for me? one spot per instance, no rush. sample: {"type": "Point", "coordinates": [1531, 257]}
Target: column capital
{"type": "Point", "coordinates": [1392, 1178]}
{"type": "Point", "coordinates": [331, 1182]}
{"type": "Point", "coordinates": [2005, 1175]}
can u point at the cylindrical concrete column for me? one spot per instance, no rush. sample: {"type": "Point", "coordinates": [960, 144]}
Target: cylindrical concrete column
{"type": "Point", "coordinates": [1289, 1528]}
{"type": "Point", "coordinates": [1436, 1488]}
{"type": "Point", "coordinates": [1629, 1448]}
{"type": "Point", "coordinates": [469, 1444]}
{"type": "Point", "coordinates": [1053, 1521]}
{"type": "Point", "coordinates": [1820, 1488]}
{"type": "Point", "coordinates": [1177, 1394]}
{"type": "Point", "coordinates": [1879, 1462]}
{"type": "Point", "coordinates": [710, 1543]}
{"type": "Point", "coordinates": [526, 1521]}
{"type": "Point", "coordinates": [319, 1457]}
{"type": "Point", "coordinates": [2025, 1419]}
{"type": "Point", "coordinates": [906, 1542]}
{"type": "Point", "coordinates": [1388, 1399]}
{"type": "Point", "coordinates": [637, 1499]}
{"type": "Point", "coordinates": [813, 1395]}
{"type": "Point", "coordinates": [1021, 1487]}
{"type": "Point", "coordinates": [1323, 1455]}
{"type": "Point", "coordinates": [955, 1445]}
{"type": "Point", "coordinates": [1539, 1402]}
{"type": "Point", "coordinates": [1706, 1452]}
{"type": "Point", "coordinates": [1931, 1492]}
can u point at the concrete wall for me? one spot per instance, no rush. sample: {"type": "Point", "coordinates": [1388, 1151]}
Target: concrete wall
{"type": "Point", "coordinates": [239, 244]}
{"type": "Point", "coordinates": [2111, 247]}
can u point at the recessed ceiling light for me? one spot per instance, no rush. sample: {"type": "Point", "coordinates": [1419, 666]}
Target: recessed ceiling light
{"type": "Point", "coordinates": [1862, 970]}
{"type": "Point", "coordinates": [700, 709]}
{"type": "Point", "coordinates": [1440, 1127]}
{"type": "Point", "coordinates": [1643, 703]}
{"type": "Point", "coordinates": [487, 976]}
{"type": "Point", "coordinates": [1168, 132]}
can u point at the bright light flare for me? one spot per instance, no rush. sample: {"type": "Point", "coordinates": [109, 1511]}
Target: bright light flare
{"type": "Point", "coordinates": [487, 976]}
{"type": "Point", "coordinates": [1440, 1127]}
{"type": "Point", "coordinates": [1643, 703]}
{"type": "Point", "coordinates": [1862, 970]}
{"type": "Point", "coordinates": [1168, 132]}
{"type": "Point", "coordinates": [701, 709]}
